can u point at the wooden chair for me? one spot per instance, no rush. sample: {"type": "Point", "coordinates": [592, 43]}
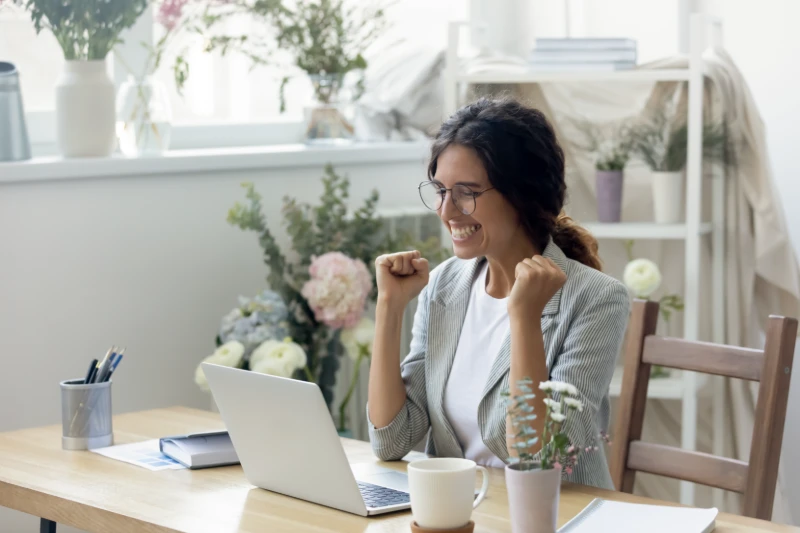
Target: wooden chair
{"type": "Point", "coordinates": [771, 367]}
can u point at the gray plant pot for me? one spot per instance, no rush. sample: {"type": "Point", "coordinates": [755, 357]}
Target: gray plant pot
{"type": "Point", "coordinates": [609, 195]}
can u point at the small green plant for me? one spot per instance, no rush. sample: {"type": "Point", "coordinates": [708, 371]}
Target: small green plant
{"type": "Point", "coordinates": [661, 142]}
{"type": "Point", "coordinates": [324, 37]}
{"type": "Point", "coordinates": [611, 144]}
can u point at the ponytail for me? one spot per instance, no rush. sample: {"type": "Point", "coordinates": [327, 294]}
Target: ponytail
{"type": "Point", "coordinates": [576, 242]}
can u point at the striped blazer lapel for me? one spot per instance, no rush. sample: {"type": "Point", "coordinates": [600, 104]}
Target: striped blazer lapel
{"type": "Point", "coordinates": [448, 311]}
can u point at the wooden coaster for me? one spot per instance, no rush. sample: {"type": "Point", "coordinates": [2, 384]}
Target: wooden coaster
{"type": "Point", "coordinates": [467, 528]}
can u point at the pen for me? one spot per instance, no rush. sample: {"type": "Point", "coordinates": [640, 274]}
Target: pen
{"type": "Point", "coordinates": [105, 371]}
{"type": "Point", "coordinates": [89, 372]}
{"type": "Point", "coordinates": [114, 366]}
{"type": "Point", "coordinates": [103, 365]}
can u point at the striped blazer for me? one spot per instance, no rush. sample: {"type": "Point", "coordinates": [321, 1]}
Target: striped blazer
{"type": "Point", "coordinates": [583, 327]}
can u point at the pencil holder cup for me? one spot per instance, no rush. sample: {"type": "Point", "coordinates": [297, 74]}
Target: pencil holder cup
{"type": "Point", "coordinates": [85, 415]}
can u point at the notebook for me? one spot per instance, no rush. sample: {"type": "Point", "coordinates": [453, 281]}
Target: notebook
{"type": "Point", "coordinates": [621, 517]}
{"type": "Point", "coordinates": [200, 450]}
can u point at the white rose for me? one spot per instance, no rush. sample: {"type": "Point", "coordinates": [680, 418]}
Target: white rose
{"type": "Point", "coordinates": [362, 334]}
{"type": "Point", "coordinates": [229, 354]}
{"type": "Point", "coordinates": [642, 277]}
{"type": "Point", "coordinates": [274, 367]}
{"type": "Point", "coordinates": [278, 358]}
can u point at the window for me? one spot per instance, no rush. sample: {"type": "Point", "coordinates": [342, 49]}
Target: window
{"type": "Point", "coordinates": [227, 91]}
{"type": "Point", "coordinates": [38, 58]}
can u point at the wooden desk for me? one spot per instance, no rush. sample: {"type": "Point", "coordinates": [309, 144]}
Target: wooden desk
{"type": "Point", "coordinates": [101, 495]}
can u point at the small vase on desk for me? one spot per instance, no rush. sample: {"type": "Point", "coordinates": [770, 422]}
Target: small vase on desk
{"type": "Point", "coordinates": [533, 499]}
{"type": "Point", "coordinates": [85, 114]}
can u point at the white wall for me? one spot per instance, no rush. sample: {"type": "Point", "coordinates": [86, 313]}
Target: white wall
{"type": "Point", "coordinates": [145, 262]}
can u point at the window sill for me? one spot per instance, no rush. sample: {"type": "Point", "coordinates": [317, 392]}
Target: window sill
{"type": "Point", "coordinates": [212, 160]}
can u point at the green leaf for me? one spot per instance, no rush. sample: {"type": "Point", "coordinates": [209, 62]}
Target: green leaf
{"type": "Point", "coordinates": [561, 441]}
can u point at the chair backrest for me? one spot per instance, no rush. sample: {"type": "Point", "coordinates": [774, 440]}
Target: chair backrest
{"type": "Point", "coordinates": [771, 367]}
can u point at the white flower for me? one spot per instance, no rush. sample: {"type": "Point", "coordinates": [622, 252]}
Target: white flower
{"type": "Point", "coordinates": [642, 277]}
{"type": "Point", "coordinates": [558, 386]}
{"type": "Point", "coordinates": [229, 354]}
{"type": "Point", "coordinates": [362, 334]}
{"type": "Point", "coordinates": [557, 417]}
{"type": "Point", "coordinates": [553, 405]}
{"type": "Point", "coordinates": [278, 358]}
{"type": "Point", "coordinates": [573, 403]}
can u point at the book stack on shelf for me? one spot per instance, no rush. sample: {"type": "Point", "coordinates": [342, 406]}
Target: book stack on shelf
{"type": "Point", "coordinates": [582, 54]}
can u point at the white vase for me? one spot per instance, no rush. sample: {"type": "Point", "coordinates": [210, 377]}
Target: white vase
{"type": "Point", "coordinates": [533, 499]}
{"type": "Point", "coordinates": [85, 114]}
{"type": "Point", "coordinates": [668, 196]}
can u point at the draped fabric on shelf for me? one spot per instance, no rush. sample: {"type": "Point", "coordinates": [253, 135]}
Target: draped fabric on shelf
{"type": "Point", "coordinates": [762, 275]}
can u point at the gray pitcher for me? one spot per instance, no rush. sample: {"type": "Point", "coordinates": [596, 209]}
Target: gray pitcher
{"type": "Point", "coordinates": [14, 144]}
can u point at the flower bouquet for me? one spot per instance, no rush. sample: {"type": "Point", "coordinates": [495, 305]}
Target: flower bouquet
{"type": "Point", "coordinates": [319, 296]}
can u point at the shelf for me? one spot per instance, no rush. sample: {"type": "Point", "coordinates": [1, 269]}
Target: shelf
{"type": "Point", "coordinates": [192, 162]}
{"type": "Point", "coordinates": [633, 75]}
{"type": "Point", "coordinates": [666, 388]}
{"type": "Point", "coordinates": [642, 230]}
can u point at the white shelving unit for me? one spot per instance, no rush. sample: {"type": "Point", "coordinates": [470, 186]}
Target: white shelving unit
{"type": "Point", "coordinates": [685, 386]}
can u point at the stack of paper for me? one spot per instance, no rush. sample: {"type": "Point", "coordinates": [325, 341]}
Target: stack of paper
{"type": "Point", "coordinates": [620, 517]}
{"type": "Point", "coordinates": [580, 54]}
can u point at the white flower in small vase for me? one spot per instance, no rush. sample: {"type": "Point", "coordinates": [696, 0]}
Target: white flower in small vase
{"type": "Point", "coordinates": [642, 277]}
{"type": "Point", "coordinates": [278, 358]}
{"type": "Point", "coordinates": [229, 354]}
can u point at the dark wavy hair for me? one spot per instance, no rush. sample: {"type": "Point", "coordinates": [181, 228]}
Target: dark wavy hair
{"type": "Point", "coordinates": [525, 163]}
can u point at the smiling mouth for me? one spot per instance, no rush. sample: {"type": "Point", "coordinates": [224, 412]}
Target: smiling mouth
{"type": "Point", "coordinates": [464, 232]}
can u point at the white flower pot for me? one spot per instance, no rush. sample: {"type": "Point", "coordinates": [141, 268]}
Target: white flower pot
{"type": "Point", "coordinates": [533, 499]}
{"type": "Point", "coordinates": [668, 196]}
{"type": "Point", "coordinates": [85, 113]}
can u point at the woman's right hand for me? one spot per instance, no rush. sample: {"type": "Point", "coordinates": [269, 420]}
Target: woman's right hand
{"type": "Point", "coordinates": [400, 277]}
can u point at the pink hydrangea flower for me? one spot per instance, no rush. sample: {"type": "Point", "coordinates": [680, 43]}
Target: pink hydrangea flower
{"type": "Point", "coordinates": [170, 12]}
{"type": "Point", "coordinates": [338, 289]}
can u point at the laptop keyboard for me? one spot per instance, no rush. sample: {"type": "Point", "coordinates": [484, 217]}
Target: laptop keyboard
{"type": "Point", "coordinates": [375, 496]}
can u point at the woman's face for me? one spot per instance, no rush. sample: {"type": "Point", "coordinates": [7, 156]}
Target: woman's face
{"type": "Point", "coordinates": [490, 228]}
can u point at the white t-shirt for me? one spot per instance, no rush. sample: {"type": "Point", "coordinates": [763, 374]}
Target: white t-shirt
{"type": "Point", "coordinates": [485, 328]}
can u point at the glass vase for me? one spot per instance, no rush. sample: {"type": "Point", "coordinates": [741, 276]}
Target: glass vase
{"type": "Point", "coordinates": [326, 122]}
{"type": "Point", "coordinates": [144, 117]}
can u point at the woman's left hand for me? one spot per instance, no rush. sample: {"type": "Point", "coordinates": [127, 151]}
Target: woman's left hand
{"type": "Point", "coordinates": [537, 280]}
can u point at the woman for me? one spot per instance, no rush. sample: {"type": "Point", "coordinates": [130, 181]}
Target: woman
{"type": "Point", "coordinates": [523, 297]}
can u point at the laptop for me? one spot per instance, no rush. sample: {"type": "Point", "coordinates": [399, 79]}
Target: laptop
{"type": "Point", "coordinates": [287, 443]}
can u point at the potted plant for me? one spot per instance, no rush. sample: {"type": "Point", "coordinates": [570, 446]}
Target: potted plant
{"type": "Point", "coordinates": [611, 145]}
{"type": "Point", "coordinates": [661, 142]}
{"type": "Point", "coordinates": [327, 40]}
{"type": "Point", "coordinates": [533, 476]}
{"type": "Point", "coordinates": [86, 31]}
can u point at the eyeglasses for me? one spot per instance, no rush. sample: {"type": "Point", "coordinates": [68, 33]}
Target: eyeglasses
{"type": "Point", "coordinates": [433, 195]}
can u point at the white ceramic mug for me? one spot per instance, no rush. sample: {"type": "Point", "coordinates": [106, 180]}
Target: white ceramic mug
{"type": "Point", "coordinates": [443, 491]}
